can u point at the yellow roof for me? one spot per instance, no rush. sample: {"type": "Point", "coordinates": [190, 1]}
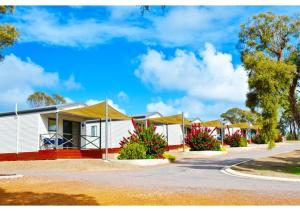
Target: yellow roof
{"type": "Point", "coordinates": [174, 119]}
{"type": "Point", "coordinates": [212, 123]}
{"type": "Point", "coordinates": [96, 111]}
{"type": "Point", "coordinates": [244, 125]}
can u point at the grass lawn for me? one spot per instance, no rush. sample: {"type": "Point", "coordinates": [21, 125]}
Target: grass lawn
{"type": "Point", "coordinates": [281, 165]}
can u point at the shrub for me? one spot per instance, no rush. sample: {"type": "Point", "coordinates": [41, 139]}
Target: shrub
{"type": "Point", "coordinates": [279, 138]}
{"type": "Point", "coordinates": [154, 143]}
{"type": "Point", "coordinates": [170, 157]}
{"type": "Point", "coordinates": [200, 139]}
{"type": "Point", "coordinates": [257, 139]}
{"type": "Point", "coordinates": [132, 151]}
{"type": "Point", "coordinates": [235, 140]}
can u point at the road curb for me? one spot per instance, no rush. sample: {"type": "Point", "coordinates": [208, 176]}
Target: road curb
{"type": "Point", "coordinates": [11, 176]}
{"type": "Point", "coordinates": [229, 171]}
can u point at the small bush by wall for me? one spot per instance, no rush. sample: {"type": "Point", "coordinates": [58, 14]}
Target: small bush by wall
{"type": "Point", "coordinates": [132, 151]}
{"type": "Point", "coordinates": [235, 140]}
{"type": "Point", "coordinates": [155, 144]}
{"type": "Point", "coordinates": [257, 139]}
{"type": "Point", "coordinates": [200, 139]}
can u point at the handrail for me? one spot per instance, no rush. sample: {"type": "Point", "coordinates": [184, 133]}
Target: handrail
{"type": "Point", "coordinates": [48, 141]}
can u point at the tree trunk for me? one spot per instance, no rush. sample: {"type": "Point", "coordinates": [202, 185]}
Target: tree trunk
{"type": "Point", "coordinates": [293, 98]}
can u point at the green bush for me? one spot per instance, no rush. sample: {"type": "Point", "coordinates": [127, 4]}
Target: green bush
{"type": "Point", "coordinates": [155, 144]}
{"type": "Point", "coordinates": [243, 142]}
{"type": "Point", "coordinates": [257, 139]}
{"type": "Point", "coordinates": [170, 157]}
{"type": "Point", "coordinates": [132, 151]}
{"type": "Point", "coordinates": [200, 139]}
{"type": "Point", "coordinates": [279, 138]}
{"type": "Point", "coordinates": [235, 140]}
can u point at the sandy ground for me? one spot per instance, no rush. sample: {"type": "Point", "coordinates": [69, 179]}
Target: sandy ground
{"type": "Point", "coordinates": [43, 191]}
{"type": "Point", "coordinates": [195, 181]}
{"type": "Point", "coordinates": [275, 165]}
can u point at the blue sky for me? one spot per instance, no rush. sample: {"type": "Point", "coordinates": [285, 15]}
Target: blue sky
{"type": "Point", "coordinates": [179, 59]}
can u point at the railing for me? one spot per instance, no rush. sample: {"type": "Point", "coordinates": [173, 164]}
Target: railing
{"type": "Point", "coordinates": [58, 141]}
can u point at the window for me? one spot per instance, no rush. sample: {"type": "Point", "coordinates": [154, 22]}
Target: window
{"type": "Point", "coordinates": [51, 125]}
{"type": "Point", "coordinates": [94, 130]}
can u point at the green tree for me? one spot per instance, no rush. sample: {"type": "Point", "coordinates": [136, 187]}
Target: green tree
{"type": "Point", "coordinates": [237, 115]}
{"type": "Point", "coordinates": [39, 99]}
{"type": "Point", "coordinates": [8, 32]}
{"type": "Point", "coordinates": [268, 42]}
{"type": "Point", "coordinates": [277, 36]}
{"type": "Point", "coordinates": [268, 86]}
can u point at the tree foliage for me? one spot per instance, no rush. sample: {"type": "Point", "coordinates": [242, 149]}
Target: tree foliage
{"type": "Point", "coordinates": [39, 99]}
{"type": "Point", "coordinates": [237, 115]}
{"type": "Point", "coordinates": [267, 42]}
{"type": "Point", "coordinates": [8, 32]}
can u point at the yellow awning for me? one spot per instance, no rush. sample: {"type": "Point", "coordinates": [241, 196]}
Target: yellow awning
{"type": "Point", "coordinates": [212, 123]}
{"type": "Point", "coordinates": [244, 125]}
{"type": "Point", "coordinates": [174, 119]}
{"type": "Point", "coordinates": [97, 111]}
{"type": "Point", "coordinates": [241, 125]}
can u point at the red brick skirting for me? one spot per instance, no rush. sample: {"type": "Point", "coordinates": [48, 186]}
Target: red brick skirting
{"type": "Point", "coordinates": [52, 154]}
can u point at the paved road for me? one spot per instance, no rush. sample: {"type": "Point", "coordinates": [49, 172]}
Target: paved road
{"type": "Point", "coordinates": [197, 175]}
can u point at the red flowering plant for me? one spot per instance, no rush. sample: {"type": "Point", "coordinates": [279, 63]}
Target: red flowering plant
{"type": "Point", "coordinates": [237, 139]}
{"type": "Point", "coordinates": [200, 139]}
{"type": "Point", "coordinates": [154, 143]}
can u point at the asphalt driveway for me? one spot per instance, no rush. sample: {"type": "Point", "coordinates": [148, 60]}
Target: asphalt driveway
{"type": "Point", "coordinates": [192, 175]}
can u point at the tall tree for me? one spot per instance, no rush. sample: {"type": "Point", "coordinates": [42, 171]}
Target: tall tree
{"type": "Point", "coordinates": [39, 99]}
{"type": "Point", "coordinates": [277, 36]}
{"type": "Point", "coordinates": [267, 43]}
{"type": "Point", "coordinates": [8, 32]}
{"type": "Point", "coordinates": [237, 115]}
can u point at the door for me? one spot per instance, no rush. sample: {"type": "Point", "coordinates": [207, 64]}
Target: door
{"type": "Point", "coordinates": [71, 133]}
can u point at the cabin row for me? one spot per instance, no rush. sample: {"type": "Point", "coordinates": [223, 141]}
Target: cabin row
{"type": "Point", "coordinates": [81, 131]}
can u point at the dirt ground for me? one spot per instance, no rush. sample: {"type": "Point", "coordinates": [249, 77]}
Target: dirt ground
{"type": "Point", "coordinates": [62, 165]}
{"type": "Point", "coordinates": [279, 165]}
{"type": "Point", "coordinates": [43, 191]}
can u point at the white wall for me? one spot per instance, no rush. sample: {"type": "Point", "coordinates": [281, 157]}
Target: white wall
{"type": "Point", "coordinates": [28, 140]}
{"type": "Point", "coordinates": [174, 133]}
{"type": "Point", "coordinates": [116, 131]}
{"type": "Point", "coordinates": [29, 132]}
{"type": "Point", "coordinates": [8, 134]}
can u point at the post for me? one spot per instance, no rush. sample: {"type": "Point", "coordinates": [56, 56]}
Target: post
{"type": "Point", "coordinates": [56, 131]}
{"type": "Point", "coordinates": [17, 132]}
{"type": "Point", "coordinates": [106, 130]}
{"type": "Point", "coordinates": [167, 133]}
{"type": "Point", "coordinates": [222, 137]}
{"type": "Point", "coordinates": [110, 136]}
{"type": "Point", "coordinates": [183, 131]}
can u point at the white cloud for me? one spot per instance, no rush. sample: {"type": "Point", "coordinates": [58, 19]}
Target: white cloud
{"type": "Point", "coordinates": [192, 108]}
{"type": "Point", "coordinates": [177, 26]}
{"type": "Point", "coordinates": [209, 81]}
{"type": "Point", "coordinates": [209, 75]}
{"type": "Point", "coordinates": [72, 84]}
{"type": "Point", "coordinates": [20, 78]}
{"type": "Point", "coordinates": [69, 100]}
{"type": "Point", "coordinates": [122, 96]}
{"type": "Point", "coordinates": [109, 101]}
{"type": "Point", "coordinates": [162, 108]}
{"type": "Point", "coordinates": [53, 29]}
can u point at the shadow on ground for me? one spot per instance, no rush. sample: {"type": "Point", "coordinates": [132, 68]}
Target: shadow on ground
{"type": "Point", "coordinates": [208, 164]}
{"type": "Point", "coordinates": [31, 198]}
